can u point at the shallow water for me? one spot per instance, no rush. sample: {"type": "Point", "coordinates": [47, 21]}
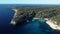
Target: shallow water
{"type": "Point", "coordinates": [33, 27]}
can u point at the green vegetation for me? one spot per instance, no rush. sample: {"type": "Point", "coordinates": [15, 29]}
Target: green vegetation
{"type": "Point", "coordinates": [50, 12]}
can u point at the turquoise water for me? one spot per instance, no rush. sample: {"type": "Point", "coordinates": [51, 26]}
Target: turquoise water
{"type": "Point", "coordinates": [32, 27]}
{"type": "Point", "coordinates": [35, 27]}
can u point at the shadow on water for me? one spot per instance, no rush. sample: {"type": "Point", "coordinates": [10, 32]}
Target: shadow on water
{"type": "Point", "coordinates": [45, 28]}
{"type": "Point", "coordinates": [35, 27]}
{"type": "Point", "coordinates": [32, 27]}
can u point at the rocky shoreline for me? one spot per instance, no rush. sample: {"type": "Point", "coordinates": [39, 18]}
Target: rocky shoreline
{"type": "Point", "coordinates": [49, 22]}
{"type": "Point", "coordinates": [12, 21]}
{"type": "Point", "coordinates": [21, 16]}
{"type": "Point", "coordinates": [52, 25]}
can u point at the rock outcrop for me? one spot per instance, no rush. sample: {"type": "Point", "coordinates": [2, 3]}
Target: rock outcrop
{"type": "Point", "coordinates": [22, 16]}
{"type": "Point", "coordinates": [26, 13]}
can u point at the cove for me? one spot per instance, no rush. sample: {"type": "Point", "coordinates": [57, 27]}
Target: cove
{"type": "Point", "coordinates": [32, 27]}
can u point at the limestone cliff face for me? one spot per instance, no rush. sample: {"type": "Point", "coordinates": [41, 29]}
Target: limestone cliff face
{"type": "Point", "coordinates": [15, 15]}
{"type": "Point", "coordinates": [53, 24]}
{"type": "Point", "coordinates": [22, 16]}
{"type": "Point", "coordinates": [25, 14]}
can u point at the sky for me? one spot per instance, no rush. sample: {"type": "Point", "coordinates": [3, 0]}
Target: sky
{"type": "Point", "coordinates": [29, 1]}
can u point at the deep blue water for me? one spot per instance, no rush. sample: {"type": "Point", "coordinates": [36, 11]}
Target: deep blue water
{"type": "Point", "coordinates": [33, 27]}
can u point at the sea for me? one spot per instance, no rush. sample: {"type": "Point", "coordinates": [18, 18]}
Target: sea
{"type": "Point", "coordinates": [32, 27]}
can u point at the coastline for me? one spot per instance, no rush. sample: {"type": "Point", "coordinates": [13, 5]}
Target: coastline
{"type": "Point", "coordinates": [49, 22]}
{"type": "Point", "coordinates": [12, 21]}
{"type": "Point", "coordinates": [52, 25]}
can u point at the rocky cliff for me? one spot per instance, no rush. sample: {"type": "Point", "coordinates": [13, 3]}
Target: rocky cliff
{"type": "Point", "coordinates": [26, 13]}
